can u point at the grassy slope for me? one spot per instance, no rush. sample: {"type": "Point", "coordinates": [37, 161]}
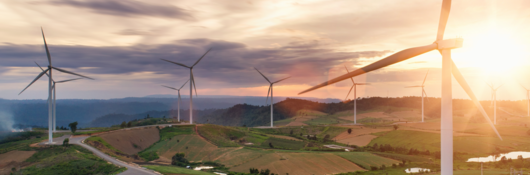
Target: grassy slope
{"type": "Point", "coordinates": [366, 160]}
{"type": "Point", "coordinates": [71, 160]}
{"type": "Point", "coordinates": [175, 170]}
{"type": "Point", "coordinates": [220, 135]}
{"type": "Point", "coordinates": [166, 135]}
{"type": "Point", "coordinates": [100, 140]}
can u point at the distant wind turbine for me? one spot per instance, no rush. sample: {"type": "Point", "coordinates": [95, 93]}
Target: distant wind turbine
{"type": "Point", "coordinates": [448, 68]}
{"type": "Point", "coordinates": [270, 91]}
{"type": "Point", "coordinates": [178, 101]}
{"type": "Point", "coordinates": [192, 82]}
{"type": "Point", "coordinates": [527, 99]}
{"type": "Point", "coordinates": [48, 71]}
{"type": "Point", "coordinates": [422, 93]}
{"type": "Point", "coordinates": [494, 101]}
{"type": "Point", "coordinates": [354, 87]}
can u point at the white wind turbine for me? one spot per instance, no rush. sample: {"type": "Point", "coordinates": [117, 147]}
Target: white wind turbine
{"type": "Point", "coordinates": [527, 99]}
{"type": "Point", "coordinates": [448, 68]}
{"type": "Point", "coordinates": [422, 93]}
{"type": "Point", "coordinates": [178, 101]}
{"type": "Point", "coordinates": [270, 91]}
{"type": "Point", "coordinates": [48, 71]}
{"type": "Point", "coordinates": [54, 104]}
{"type": "Point", "coordinates": [192, 82]}
{"type": "Point", "coordinates": [354, 87]}
{"type": "Point", "coordinates": [494, 101]}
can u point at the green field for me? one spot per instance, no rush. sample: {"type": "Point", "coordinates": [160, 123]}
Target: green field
{"type": "Point", "coordinates": [366, 159]}
{"type": "Point", "coordinates": [409, 139]}
{"type": "Point", "coordinates": [100, 140]}
{"type": "Point", "coordinates": [175, 170]}
{"type": "Point", "coordinates": [411, 158]}
{"type": "Point", "coordinates": [221, 136]}
{"type": "Point", "coordinates": [282, 143]}
{"type": "Point", "coordinates": [71, 160]}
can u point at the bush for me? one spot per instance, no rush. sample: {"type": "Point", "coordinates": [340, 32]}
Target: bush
{"type": "Point", "coordinates": [66, 141]}
{"type": "Point", "coordinates": [179, 160]}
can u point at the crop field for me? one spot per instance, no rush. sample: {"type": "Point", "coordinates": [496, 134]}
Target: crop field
{"type": "Point", "coordinates": [300, 163]}
{"type": "Point", "coordinates": [198, 149]}
{"type": "Point", "coordinates": [403, 138]}
{"type": "Point", "coordinates": [220, 135]}
{"type": "Point", "coordinates": [175, 170]}
{"type": "Point", "coordinates": [361, 140]}
{"type": "Point", "coordinates": [412, 158]}
{"type": "Point", "coordinates": [366, 159]}
{"type": "Point", "coordinates": [283, 143]}
{"type": "Point", "coordinates": [131, 141]}
{"type": "Point", "coordinates": [237, 157]}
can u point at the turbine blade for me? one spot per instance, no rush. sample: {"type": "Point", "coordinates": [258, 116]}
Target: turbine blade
{"type": "Point", "coordinates": [413, 86]}
{"type": "Point", "coordinates": [362, 83]}
{"type": "Point", "coordinates": [68, 72]}
{"type": "Point", "coordinates": [193, 81]}
{"type": "Point", "coordinates": [425, 94]}
{"type": "Point", "coordinates": [394, 58]}
{"type": "Point", "coordinates": [444, 15]}
{"type": "Point", "coordinates": [37, 78]}
{"type": "Point", "coordinates": [269, 91]}
{"type": "Point", "coordinates": [350, 77]}
{"type": "Point", "coordinates": [169, 87]}
{"type": "Point", "coordinates": [42, 69]}
{"type": "Point", "coordinates": [68, 80]}
{"type": "Point", "coordinates": [176, 63]}
{"type": "Point", "coordinates": [348, 93]}
{"type": "Point", "coordinates": [179, 96]}
{"type": "Point", "coordinates": [425, 77]}
{"type": "Point", "coordinates": [460, 79]}
{"type": "Point", "coordinates": [523, 86]}
{"type": "Point", "coordinates": [201, 57]}
{"type": "Point", "coordinates": [46, 47]}
{"type": "Point", "coordinates": [184, 84]}
{"type": "Point", "coordinates": [263, 75]}
{"type": "Point", "coordinates": [53, 86]}
{"type": "Point", "coordinates": [282, 79]}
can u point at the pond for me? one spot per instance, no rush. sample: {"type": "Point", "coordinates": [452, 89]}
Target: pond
{"type": "Point", "coordinates": [416, 170]}
{"type": "Point", "coordinates": [494, 158]}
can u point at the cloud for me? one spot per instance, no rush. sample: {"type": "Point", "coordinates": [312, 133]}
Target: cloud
{"type": "Point", "coordinates": [128, 8]}
{"type": "Point", "coordinates": [229, 64]}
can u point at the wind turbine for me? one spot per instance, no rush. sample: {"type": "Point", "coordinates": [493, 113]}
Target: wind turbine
{"type": "Point", "coordinates": [448, 68]}
{"type": "Point", "coordinates": [354, 87]}
{"type": "Point", "coordinates": [48, 71]}
{"type": "Point", "coordinates": [54, 117]}
{"type": "Point", "coordinates": [270, 91]}
{"type": "Point", "coordinates": [422, 93]}
{"type": "Point", "coordinates": [178, 101]}
{"type": "Point", "coordinates": [494, 101]}
{"type": "Point", "coordinates": [527, 99]}
{"type": "Point", "coordinates": [192, 82]}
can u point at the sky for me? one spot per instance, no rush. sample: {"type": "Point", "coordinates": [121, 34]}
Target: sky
{"type": "Point", "coordinates": [121, 43]}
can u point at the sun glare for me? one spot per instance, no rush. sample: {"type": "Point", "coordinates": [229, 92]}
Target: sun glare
{"type": "Point", "coordinates": [493, 52]}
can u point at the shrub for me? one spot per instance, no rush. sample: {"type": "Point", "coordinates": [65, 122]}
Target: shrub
{"type": "Point", "coordinates": [66, 141]}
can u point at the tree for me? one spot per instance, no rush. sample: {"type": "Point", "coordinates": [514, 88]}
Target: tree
{"type": "Point", "coordinates": [270, 144]}
{"type": "Point", "coordinates": [396, 127]}
{"type": "Point", "coordinates": [291, 132]}
{"type": "Point", "coordinates": [129, 124]}
{"type": "Point", "coordinates": [179, 160]}
{"type": "Point", "coordinates": [73, 126]}
{"type": "Point", "coordinates": [123, 124]}
{"type": "Point", "coordinates": [66, 142]}
{"type": "Point", "coordinates": [349, 130]}
{"type": "Point", "coordinates": [326, 138]}
{"type": "Point", "coordinates": [254, 171]}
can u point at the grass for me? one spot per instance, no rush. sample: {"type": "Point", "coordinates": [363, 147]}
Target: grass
{"type": "Point", "coordinates": [169, 132]}
{"type": "Point", "coordinates": [100, 140]}
{"type": "Point", "coordinates": [97, 131]}
{"type": "Point", "coordinates": [24, 144]}
{"type": "Point", "coordinates": [68, 160]}
{"type": "Point", "coordinates": [175, 170]}
{"type": "Point", "coordinates": [473, 172]}
{"type": "Point", "coordinates": [409, 139]}
{"type": "Point", "coordinates": [283, 122]}
{"type": "Point", "coordinates": [283, 143]}
{"type": "Point", "coordinates": [366, 159]}
{"type": "Point", "coordinates": [221, 136]}
{"type": "Point", "coordinates": [332, 131]}
{"type": "Point", "coordinates": [411, 158]}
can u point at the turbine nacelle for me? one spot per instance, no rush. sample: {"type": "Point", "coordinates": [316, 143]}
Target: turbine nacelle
{"type": "Point", "coordinates": [450, 43]}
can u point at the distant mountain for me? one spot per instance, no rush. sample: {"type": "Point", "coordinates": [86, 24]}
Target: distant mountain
{"type": "Point", "coordinates": [35, 112]}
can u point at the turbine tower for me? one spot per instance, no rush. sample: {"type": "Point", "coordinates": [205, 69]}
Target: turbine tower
{"type": "Point", "coordinates": [270, 91]}
{"type": "Point", "coordinates": [494, 101]}
{"type": "Point", "coordinates": [422, 93]}
{"type": "Point", "coordinates": [48, 71]}
{"type": "Point", "coordinates": [527, 99]}
{"type": "Point", "coordinates": [178, 101]}
{"type": "Point", "coordinates": [192, 82]}
{"type": "Point", "coordinates": [354, 87]}
{"type": "Point", "coordinates": [448, 68]}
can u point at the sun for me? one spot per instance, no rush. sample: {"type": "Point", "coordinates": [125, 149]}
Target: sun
{"type": "Point", "coordinates": [493, 51]}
